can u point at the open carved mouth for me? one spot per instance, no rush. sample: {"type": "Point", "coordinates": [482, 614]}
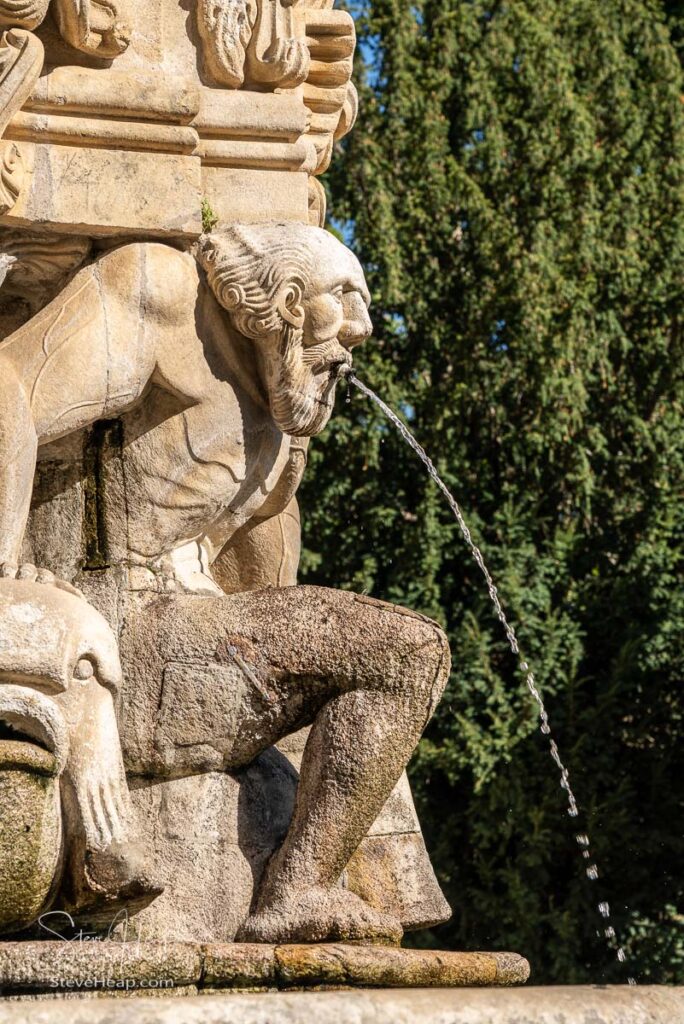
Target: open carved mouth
{"type": "Point", "coordinates": [15, 732]}
{"type": "Point", "coordinates": [33, 733]}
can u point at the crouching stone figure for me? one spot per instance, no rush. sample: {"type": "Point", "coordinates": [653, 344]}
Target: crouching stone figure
{"type": "Point", "coordinates": [218, 367]}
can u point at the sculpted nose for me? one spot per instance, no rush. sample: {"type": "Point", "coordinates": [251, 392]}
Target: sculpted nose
{"type": "Point", "coordinates": [357, 325]}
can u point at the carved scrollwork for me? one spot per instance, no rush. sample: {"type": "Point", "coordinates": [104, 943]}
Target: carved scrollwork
{"type": "Point", "coordinates": [21, 59]}
{"type": "Point", "coordinates": [252, 42]}
{"type": "Point", "coordinates": [11, 176]}
{"type": "Point", "coordinates": [276, 57]}
{"type": "Point", "coordinates": [94, 26]}
{"type": "Point", "coordinates": [37, 264]}
{"type": "Point", "coordinates": [349, 112]}
{"type": "Point", "coordinates": [26, 14]}
{"type": "Point", "coordinates": [225, 27]}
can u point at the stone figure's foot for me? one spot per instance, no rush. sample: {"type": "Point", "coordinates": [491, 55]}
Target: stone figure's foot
{"type": "Point", "coordinates": [32, 574]}
{"type": "Point", "coordinates": [320, 915]}
{"type": "Point", "coordinates": [114, 879]}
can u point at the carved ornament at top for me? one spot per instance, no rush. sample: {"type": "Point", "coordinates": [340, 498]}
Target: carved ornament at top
{"type": "Point", "coordinates": [252, 42]}
{"type": "Point", "coordinates": [93, 26]}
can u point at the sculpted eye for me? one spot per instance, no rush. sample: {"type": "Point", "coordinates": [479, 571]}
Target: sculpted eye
{"type": "Point", "coordinates": [84, 669]}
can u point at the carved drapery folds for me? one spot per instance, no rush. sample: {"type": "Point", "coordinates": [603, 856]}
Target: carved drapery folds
{"type": "Point", "coordinates": [251, 42]}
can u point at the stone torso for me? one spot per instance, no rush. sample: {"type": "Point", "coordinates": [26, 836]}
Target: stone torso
{"type": "Point", "coordinates": [210, 459]}
{"type": "Point", "coordinates": [209, 468]}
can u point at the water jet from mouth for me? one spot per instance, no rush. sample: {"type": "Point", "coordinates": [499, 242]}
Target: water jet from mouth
{"type": "Point", "coordinates": [573, 811]}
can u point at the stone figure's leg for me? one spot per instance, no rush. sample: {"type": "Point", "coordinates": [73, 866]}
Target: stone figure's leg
{"type": "Point", "coordinates": [369, 676]}
{"type": "Point", "coordinates": [106, 864]}
{"type": "Point", "coordinates": [18, 448]}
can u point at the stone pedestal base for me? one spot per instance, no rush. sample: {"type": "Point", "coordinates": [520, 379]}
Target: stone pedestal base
{"type": "Point", "coordinates": [81, 968]}
{"type": "Point", "coordinates": [552, 1005]}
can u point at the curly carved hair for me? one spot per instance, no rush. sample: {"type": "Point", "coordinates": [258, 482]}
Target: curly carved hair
{"type": "Point", "coordinates": [259, 272]}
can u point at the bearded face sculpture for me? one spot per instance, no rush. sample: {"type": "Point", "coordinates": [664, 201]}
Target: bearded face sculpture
{"type": "Point", "coordinates": [301, 297]}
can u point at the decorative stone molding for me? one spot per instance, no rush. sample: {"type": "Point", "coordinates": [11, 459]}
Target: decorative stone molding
{"type": "Point", "coordinates": [274, 94]}
{"type": "Point", "coordinates": [328, 91]}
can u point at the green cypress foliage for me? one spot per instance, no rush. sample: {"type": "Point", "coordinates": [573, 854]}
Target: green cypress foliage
{"type": "Point", "coordinates": [514, 190]}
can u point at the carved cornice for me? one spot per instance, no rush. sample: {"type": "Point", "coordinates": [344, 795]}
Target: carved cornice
{"type": "Point", "coordinates": [272, 94]}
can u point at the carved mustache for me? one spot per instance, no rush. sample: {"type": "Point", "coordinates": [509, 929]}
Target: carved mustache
{"type": "Point", "coordinates": [329, 356]}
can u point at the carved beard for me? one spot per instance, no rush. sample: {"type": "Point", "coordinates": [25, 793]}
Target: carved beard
{"type": "Point", "coordinates": [302, 389]}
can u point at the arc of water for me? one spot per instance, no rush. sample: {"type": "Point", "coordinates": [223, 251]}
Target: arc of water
{"type": "Point", "coordinates": [573, 810]}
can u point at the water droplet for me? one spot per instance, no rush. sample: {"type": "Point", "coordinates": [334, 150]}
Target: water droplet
{"type": "Point", "coordinates": [621, 955]}
{"type": "Point", "coordinates": [582, 839]}
{"type": "Point", "coordinates": [604, 909]}
{"type": "Point", "coordinates": [609, 932]}
{"type": "Point", "coordinates": [592, 872]}
{"type": "Point", "coordinates": [631, 981]}
{"type": "Point", "coordinates": [586, 854]}
{"type": "Point", "coordinates": [573, 812]}
{"type": "Point", "coordinates": [545, 729]}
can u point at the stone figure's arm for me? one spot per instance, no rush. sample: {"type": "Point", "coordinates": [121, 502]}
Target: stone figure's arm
{"type": "Point", "coordinates": [262, 553]}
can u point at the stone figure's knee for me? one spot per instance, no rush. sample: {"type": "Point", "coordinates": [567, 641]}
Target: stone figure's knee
{"type": "Point", "coordinates": [425, 660]}
{"type": "Point", "coordinates": [436, 656]}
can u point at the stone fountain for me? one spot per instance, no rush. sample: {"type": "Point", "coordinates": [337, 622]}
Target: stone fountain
{"type": "Point", "coordinates": [202, 783]}
{"type": "Point", "coordinates": [201, 763]}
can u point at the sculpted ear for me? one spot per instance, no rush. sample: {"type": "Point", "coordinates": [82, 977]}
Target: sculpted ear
{"type": "Point", "coordinates": [289, 304]}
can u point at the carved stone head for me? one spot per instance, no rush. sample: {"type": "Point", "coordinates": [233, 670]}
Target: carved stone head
{"type": "Point", "coordinates": [52, 644]}
{"type": "Point", "coordinates": [301, 297]}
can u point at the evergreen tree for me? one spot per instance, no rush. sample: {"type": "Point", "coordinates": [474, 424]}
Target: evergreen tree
{"type": "Point", "coordinates": [514, 190]}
